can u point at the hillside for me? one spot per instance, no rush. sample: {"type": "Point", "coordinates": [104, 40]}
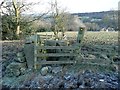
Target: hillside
{"type": "Point", "coordinates": [95, 21]}
{"type": "Point", "coordinates": [98, 15]}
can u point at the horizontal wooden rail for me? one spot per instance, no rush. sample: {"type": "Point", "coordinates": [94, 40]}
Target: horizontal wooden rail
{"type": "Point", "coordinates": [55, 54]}
{"type": "Point", "coordinates": [104, 52]}
{"type": "Point", "coordinates": [70, 62]}
{"type": "Point", "coordinates": [57, 47]}
{"type": "Point", "coordinates": [57, 62]}
{"type": "Point", "coordinates": [85, 63]}
{"type": "Point", "coordinates": [44, 34]}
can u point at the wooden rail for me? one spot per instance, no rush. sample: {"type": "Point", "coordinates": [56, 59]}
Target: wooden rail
{"type": "Point", "coordinates": [57, 62]}
{"type": "Point", "coordinates": [55, 54]}
{"type": "Point", "coordinates": [57, 47]}
{"type": "Point", "coordinates": [69, 52]}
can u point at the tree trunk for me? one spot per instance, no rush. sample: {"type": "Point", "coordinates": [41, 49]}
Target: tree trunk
{"type": "Point", "coordinates": [17, 16]}
{"type": "Point", "coordinates": [18, 30]}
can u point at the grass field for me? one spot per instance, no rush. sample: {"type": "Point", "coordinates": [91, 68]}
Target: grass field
{"type": "Point", "coordinates": [101, 38]}
{"type": "Point", "coordinates": [89, 37]}
{"type": "Point", "coordinates": [93, 37]}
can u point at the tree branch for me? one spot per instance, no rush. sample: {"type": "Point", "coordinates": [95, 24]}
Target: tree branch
{"type": "Point", "coordinates": [38, 17]}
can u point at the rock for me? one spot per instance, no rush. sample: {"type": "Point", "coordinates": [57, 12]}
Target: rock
{"type": "Point", "coordinates": [41, 80]}
{"type": "Point", "coordinates": [55, 82]}
{"type": "Point", "coordinates": [101, 76]}
{"type": "Point", "coordinates": [101, 80]}
{"type": "Point", "coordinates": [22, 70]}
{"type": "Point", "coordinates": [67, 85]}
{"type": "Point", "coordinates": [45, 85]}
{"type": "Point", "coordinates": [50, 86]}
{"type": "Point", "coordinates": [81, 86]}
{"type": "Point", "coordinates": [80, 81]}
{"type": "Point", "coordinates": [108, 80]}
{"type": "Point", "coordinates": [115, 83]}
{"type": "Point", "coordinates": [11, 72]}
{"type": "Point", "coordinates": [44, 71]}
{"type": "Point", "coordinates": [47, 78]}
{"type": "Point", "coordinates": [101, 85]}
{"type": "Point", "coordinates": [34, 84]}
{"type": "Point", "coordinates": [67, 77]}
{"type": "Point", "coordinates": [61, 84]}
{"type": "Point", "coordinates": [27, 84]}
{"type": "Point", "coordinates": [75, 84]}
{"type": "Point", "coordinates": [91, 56]}
{"type": "Point", "coordinates": [108, 85]}
{"type": "Point", "coordinates": [21, 60]}
{"type": "Point", "coordinates": [50, 69]}
{"type": "Point", "coordinates": [20, 54]}
{"type": "Point", "coordinates": [116, 59]}
{"type": "Point", "coordinates": [70, 85]}
{"type": "Point", "coordinates": [87, 82]}
{"type": "Point", "coordinates": [113, 78]}
{"type": "Point", "coordinates": [56, 70]}
{"type": "Point", "coordinates": [87, 72]}
{"type": "Point", "coordinates": [13, 69]}
{"type": "Point", "coordinates": [104, 56]}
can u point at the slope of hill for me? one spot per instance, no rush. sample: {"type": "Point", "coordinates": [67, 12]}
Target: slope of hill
{"type": "Point", "coordinates": [99, 15]}
{"type": "Point", "coordinates": [98, 20]}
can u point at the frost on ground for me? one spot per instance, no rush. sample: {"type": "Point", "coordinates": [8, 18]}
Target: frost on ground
{"type": "Point", "coordinates": [68, 76]}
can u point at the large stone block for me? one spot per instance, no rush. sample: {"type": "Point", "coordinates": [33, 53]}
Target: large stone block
{"type": "Point", "coordinates": [29, 54]}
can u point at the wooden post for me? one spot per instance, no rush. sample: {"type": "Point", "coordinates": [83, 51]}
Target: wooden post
{"type": "Point", "coordinates": [80, 34]}
{"type": "Point", "coordinates": [79, 40]}
{"type": "Point", "coordinates": [35, 52]}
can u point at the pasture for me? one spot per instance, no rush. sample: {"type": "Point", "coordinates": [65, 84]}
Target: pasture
{"type": "Point", "coordinates": [91, 37]}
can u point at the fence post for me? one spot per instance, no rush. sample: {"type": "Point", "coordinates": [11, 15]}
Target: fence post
{"type": "Point", "coordinates": [35, 52]}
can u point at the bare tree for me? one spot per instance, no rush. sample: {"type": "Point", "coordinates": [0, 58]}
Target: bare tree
{"type": "Point", "coordinates": [15, 9]}
{"type": "Point", "coordinates": [59, 19]}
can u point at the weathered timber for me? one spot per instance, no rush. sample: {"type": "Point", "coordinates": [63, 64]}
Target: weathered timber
{"type": "Point", "coordinates": [29, 54]}
{"type": "Point", "coordinates": [57, 62]}
{"type": "Point", "coordinates": [35, 52]}
{"type": "Point", "coordinates": [104, 52]}
{"type": "Point", "coordinates": [93, 64]}
{"type": "Point", "coordinates": [57, 47]}
{"type": "Point", "coordinates": [55, 54]}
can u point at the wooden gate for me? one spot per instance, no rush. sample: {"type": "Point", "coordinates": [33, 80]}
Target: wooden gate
{"type": "Point", "coordinates": [73, 53]}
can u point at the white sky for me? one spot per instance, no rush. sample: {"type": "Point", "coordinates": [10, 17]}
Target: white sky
{"type": "Point", "coordinates": [77, 6]}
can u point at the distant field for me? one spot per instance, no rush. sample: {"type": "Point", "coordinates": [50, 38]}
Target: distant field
{"type": "Point", "coordinates": [101, 37]}
{"type": "Point", "coordinates": [94, 37]}
{"type": "Point", "coordinates": [89, 37]}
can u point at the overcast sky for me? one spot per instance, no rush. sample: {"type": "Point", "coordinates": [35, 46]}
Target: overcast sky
{"type": "Point", "coordinates": [75, 6]}
{"type": "Point", "coordinates": [78, 6]}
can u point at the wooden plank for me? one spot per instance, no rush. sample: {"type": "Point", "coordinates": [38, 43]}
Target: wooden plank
{"type": "Point", "coordinates": [55, 54]}
{"type": "Point", "coordinates": [97, 64]}
{"type": "Point", "coordinates": [104, 52]}
{"type": "Point", "coordinates": [57, 47]}
{"type": "Point", "coordinates": [56, 62]}
{"type": "Point", "coordinates": [70, 62]}
{"type": "Point", "coordinates": [44, 34]}
{"type": "Point", "coordinates": [35, 52]}
{"type": "Point", "coordinates": [5, 41]}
